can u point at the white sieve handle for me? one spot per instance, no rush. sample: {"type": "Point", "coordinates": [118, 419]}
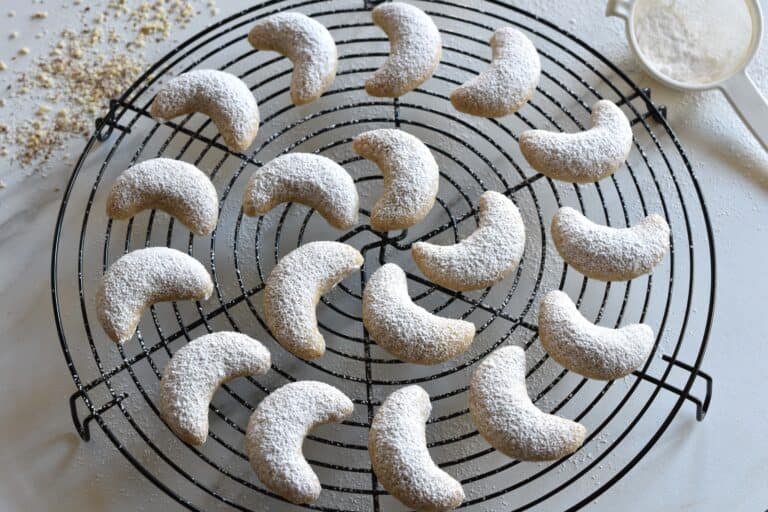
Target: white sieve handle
{"type": "Point", "coordinates": [749, 103]}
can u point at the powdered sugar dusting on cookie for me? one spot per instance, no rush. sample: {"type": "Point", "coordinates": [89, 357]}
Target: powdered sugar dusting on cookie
{"type": "Point", "coordinates": [397, 444]}
{"type": "Point", "coordinates": [504, 415]}
{"type": "Point", "coordinates": [485, 257]}
{"type": "Point", "coordinates": [307, 43]}
{"type": "Point", "coordinates": [406, 330]}
{"type": "Point", "coordinates": [415, 49]}
{"type": "Point", "coordinates": [583, 157]}
{"type": "Point", "coordinates": [294, 287]}
{"type": "Point", "coordinates": [312, 180]}
{"type": "Point", "coordinates": [195, 372]}
{"type": "Point", "coordinates": [276, 432]}
{"type": "Point", "coordinates": [606, 253]}
{"type": "Point", "coordinates": [176, 187]}
{"type": "Point", "coordinates": [510, 81]}
{"type": "Point", "coordinates": [144, 277]}
{"type": "Point", "coordinates": [411, 177]}
{"type": "Point", "coordinates": [590, 350]}
{"type": "Point", "coordinates": [223, 97]}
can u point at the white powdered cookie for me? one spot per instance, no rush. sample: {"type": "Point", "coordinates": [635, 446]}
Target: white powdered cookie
{"type": "Point", "coordinates": [397, 444]}
{"type": "Point", "coordinates": [583, 157]}
{"type": "Point", "coordinates": [505, 416]}
{"type": "Point", "coordinates": [176, 187]}
{"type": "Point", "coordinates": [144, 277]}
{"type": "Point", "coordinates": [590, 350]}
{"type": "Point", "coordinates": [221, 96]}
{"type": "Point", "coordinates": [508, 83]}
{"type": "Point", "coordinates": [294, 287]}
{"type": "Point", "coordinates": [414, 49]}
{"type": "Point", "coordinates": [195, 372]}
{"type": "Point", "coordinates": [485, 257]}
{"type": "Point", "coordinates": [606, 253]}
{"type": "Point", "coordinates": [411, 177]}
{"type": "Point", "coordinates": [307, 43]}
{"type": "Point", "coordinates": [312, 180]}
{"type": "Point", "coordinates": [276, 432]}
{"type": "Point", "coordinates": [410, 332]}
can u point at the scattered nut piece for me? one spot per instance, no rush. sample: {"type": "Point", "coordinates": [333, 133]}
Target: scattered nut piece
{"type": "Point", "coordinates": [24, 51]}
{"type": "Point", "coordinates": [40, 15]}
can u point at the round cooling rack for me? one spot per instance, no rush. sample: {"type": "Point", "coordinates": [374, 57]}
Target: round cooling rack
{"type": "Point", "coordinates": [117, 386]}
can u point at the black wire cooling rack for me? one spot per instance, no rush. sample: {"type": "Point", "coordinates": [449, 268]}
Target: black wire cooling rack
{"type": "Point", "coordinates": [117, 385]}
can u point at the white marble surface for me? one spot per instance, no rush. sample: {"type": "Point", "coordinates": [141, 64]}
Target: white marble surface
{"type": "Point", "coordinates": [719, 464]}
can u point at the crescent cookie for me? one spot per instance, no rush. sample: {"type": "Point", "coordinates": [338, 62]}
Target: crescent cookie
{"type": "Point", "coordinates": [196, 371]}
{"type": "Point", "coordinates": [312, 180]}
{"type": "Point", "coordinates": [414, 49]}
{"type": "Point", "coordinates": [221, 96]}
{"type": "Point", "coordinates": [504, 415]}
{"type": "Point", "coordinates": [307, 43]}
{"type": "Point", "coordinates": [144, 277]}
{"type": "Point", "coordinates": [583, 157]}
{"type": "Point", "coordinates": [590, 350]}
{"type": "Point", "coordinates": [397, 444]}
{"type": "Point", "coordinates": [488, 255]}
{"type": "Point", "coordinates": [294, 287]}
{"type": "Point", "coordinates": [508, 83]}
{"type": "Point", "coordinates": [276, 432]}
{"type": "Point", "coordinates": [606, 253]}
{"type": "Point", "coordinates": [178, 188]}
{"type": "Point", "coordinates": [408, 331]}
{"type": "Point", "coordinates": [411, 177]}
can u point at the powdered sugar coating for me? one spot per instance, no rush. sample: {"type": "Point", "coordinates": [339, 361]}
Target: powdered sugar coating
{"type": "Point", "coordinates": [195, 372]}
{"type": "Point", "coordinates": [223, 97]}
{"type": "Point", "coordinates": [406, 330]}
{"type": "Point", "coordinates": [508, 83]}
{"type": "Point", "coordinates": [397, 444]}
{"type": "Point", "coordinates": [312, 180]}
{"type": "Point", "coordinates": [307, 43]}
{"type": "Point", "coordinates": [583, 157]}
{"type": "Point", "coordinates": [415, 49]}
{"type": "Point", "coordinates": [276, 432]}
{"type": "Point", "coordinates": [143, 277]}
{"type": "Point", "coordinates": [488, 255]}
{"type": "Point", "coordinates": [176, 187]}
{"type": "Point", "coordinates": [505, 416]}
{"type": "Point", "coordinates": [588, 349]}
{"type": "Point", "coordinates": [294, 287]}
{"type": "Point", "coordinates": [411, 177]}
{"type": "Point", "coordinates": [606, 253]}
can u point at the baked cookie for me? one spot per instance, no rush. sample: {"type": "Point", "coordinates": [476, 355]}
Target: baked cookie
{"type": "Point", "coordinates": [505, 416]}
{"type": "Point", "coordinates": [397, 444]}
{"type": "Point", "coordinates": [485, 257]}
{"type": "Point", "coordinates": [307, 43]}
{"type": "Point", "coordinates": [508, 83]}
{"type": "Point", "coordinates": [221, 96]}
{"type": "Point", "coordinates": [583, 157]}
{"type": "Point", "coordinates": [178, 188]}
{"type": "Point", "coordinates": [590, 350]}
{"type": "Point", "coordinates": [276, 432]}
{"type": "Point", "coordinates": [312, 180]}
{"type": "Point", "coordinates": [196, 371]}
{"type": "Point", "coordinates": [144, 277]}
{"type": "Point", "coordinates": [411, 177]}
{"type": "Point", "coordinates": [606, 253]}
{"type": "Point", "coordinates": [414, 49]}
{"type": "Point", "coordinates": [409, 332]}
{"type": "Point", "coordinates": [294, 287]}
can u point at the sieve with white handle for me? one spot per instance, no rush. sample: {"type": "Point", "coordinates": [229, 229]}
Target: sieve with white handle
{"type": "Point", "coordinates": [731, 78]}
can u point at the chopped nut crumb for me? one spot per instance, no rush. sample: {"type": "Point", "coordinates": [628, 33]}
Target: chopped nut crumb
{"type": "Point", "coordinates": [40, 15]}
{"type": "Point", "coordinates": [3, 66]}
{"type": "Point", "coordinates": [14, 35]}
{"type": "Point", "coordinates": [11, 14]}
{"type": "Point", "coordinates": [24, 51]}
{"type": "Point", "coordinates": [2, 103]}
